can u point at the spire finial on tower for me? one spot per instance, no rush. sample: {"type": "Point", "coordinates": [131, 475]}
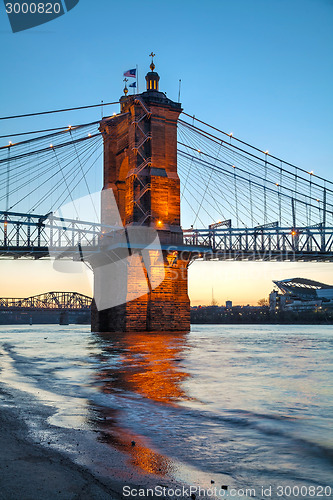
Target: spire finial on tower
{"type": "Point", "coordinates": [125, 88]}
{"type": "Point", "coordinates": [152, 78]}
{"type": "Point", "coordinates": [152, 55]}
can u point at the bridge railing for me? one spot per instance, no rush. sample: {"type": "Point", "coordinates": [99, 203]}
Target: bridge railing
{"type": "Point", "coordinates": [298, 240]}
{"type": "Point", "coordinates": [27, 231]}
{"type": "Point", "coordinates": [38, 236]}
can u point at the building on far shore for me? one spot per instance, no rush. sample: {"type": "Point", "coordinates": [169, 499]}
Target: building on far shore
{"type": "Point", "coordinates": [300, 294]}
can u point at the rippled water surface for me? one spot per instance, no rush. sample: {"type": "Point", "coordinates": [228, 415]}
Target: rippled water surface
{"type": "Point", "coordinates": [245, 406]}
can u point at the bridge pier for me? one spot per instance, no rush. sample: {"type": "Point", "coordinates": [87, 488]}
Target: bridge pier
{"type": "Point", "coordinates": [164, 308]}
{"type": "Point", "coordinates": [146, 285]}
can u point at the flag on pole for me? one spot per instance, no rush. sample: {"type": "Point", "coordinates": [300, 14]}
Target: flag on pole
{"type": "Point", "coordinates": [133, 85]}
{"type": "Point", "coordinates": [131, 73]}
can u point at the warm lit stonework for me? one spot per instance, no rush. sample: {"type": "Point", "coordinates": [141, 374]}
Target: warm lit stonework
{"type": "Point", "coordinates": [140, 166]}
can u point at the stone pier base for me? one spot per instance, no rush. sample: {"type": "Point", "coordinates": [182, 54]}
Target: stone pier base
{"type": "Point", "coordinates": [164, 308]}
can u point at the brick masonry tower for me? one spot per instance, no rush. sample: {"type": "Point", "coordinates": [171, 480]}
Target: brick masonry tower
{"type": "Point", "coordinates": [140, 166]}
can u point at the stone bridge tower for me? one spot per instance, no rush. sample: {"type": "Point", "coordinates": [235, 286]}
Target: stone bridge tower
{"type": "Point", "coordinates": [140, 166]}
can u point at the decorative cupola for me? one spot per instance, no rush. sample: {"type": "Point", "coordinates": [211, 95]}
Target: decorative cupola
{"type": "Point", "coordinates": [152, 78]}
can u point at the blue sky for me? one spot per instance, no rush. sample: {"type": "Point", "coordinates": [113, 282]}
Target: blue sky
{"type": "Point", "coordinates": [262, 69]}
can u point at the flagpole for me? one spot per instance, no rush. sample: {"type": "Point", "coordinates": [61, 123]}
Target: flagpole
{"type": "Point", "coordinates": [137, 79]}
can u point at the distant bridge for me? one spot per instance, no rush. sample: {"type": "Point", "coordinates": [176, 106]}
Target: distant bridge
{"type": "Point", "coordinates": [46, 308]}
{"type": "Point", "coordinates": [63, 301]}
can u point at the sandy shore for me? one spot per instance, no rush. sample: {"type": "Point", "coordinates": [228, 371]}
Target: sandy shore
{"type": "Point", "coordinates": [32, 472]}
{"type": "Point", "coordinates": [31, 469]}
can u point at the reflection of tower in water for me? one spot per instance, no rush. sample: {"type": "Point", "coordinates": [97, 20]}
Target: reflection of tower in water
{"type": "Point", "coordinates": [146, 364]}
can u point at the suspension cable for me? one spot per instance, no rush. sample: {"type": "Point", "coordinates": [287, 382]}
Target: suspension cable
{"type": "Point", "coordinates": [59, 110]}
{"type": "Point", "coordinates": [247, 144]}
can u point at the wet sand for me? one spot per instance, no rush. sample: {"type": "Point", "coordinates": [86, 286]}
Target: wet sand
{"type": "Point", "coordinates": [32, 469]}
{"type": "Point", "coordinates": [48, 451]}
{"type": "Point", "coordinates": [32, 472]}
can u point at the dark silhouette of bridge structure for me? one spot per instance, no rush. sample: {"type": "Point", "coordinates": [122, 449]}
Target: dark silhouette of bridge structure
{"type": "Point", "coordinates": [46, 308]}
{"type": "Point", "coordinates": [65, 301]}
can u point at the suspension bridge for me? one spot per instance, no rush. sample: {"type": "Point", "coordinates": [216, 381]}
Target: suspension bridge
{"type": "Point", "coordinates": [240, 202]}
{"type": "Point", "coordinates": [237, 201]}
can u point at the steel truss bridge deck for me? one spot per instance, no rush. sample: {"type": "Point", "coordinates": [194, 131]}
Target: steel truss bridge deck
{"type": "Point", "coordinates": [35, 236]}
{"type": "Point", "coordinates": [68, 301]}
{"type": "Point", "coordinates": [269, 244]}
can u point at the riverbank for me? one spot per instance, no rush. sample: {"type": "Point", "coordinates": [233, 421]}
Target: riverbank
{"type": "Point", "coordinates": [32, 472]}
{"type": "Point", "coordinates": [254, 315]}
{"type": "Point", "coordinates": [40, 460]}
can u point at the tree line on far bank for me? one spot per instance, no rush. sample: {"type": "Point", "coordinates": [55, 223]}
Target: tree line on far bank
{"type": "Point", "coordinates": [251, 315]}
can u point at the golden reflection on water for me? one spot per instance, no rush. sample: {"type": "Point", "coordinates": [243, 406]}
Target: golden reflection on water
{"type": "Point", "coordinates": [148, 364]}
{"type": "Point", "coordinates": [141, 454]}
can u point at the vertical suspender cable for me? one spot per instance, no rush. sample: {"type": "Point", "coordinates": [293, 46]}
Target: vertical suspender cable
{"type": "Point", "coordinates": [251, 202]}
{"type": "Point", "coordinates": [293, 210]}
{"type": "Point", "coordinates": [236, 196]}
{"type": "Point", "coordinates": [280, 206]}
{"type": "Point", "coordinates": [8, 181]}
{"type": "Point", "coordinates": [84, 176]}
{"type": "Point", "coordinates": [324, 207]}
{"type": "Point", "coordinates": [265, 195]}
{"type": "Point", "coordinates": [309, 205]}
{"type": "Point", "coordinates": [65, 181]}
{"type": "Point", "coordinates": [323, 229]}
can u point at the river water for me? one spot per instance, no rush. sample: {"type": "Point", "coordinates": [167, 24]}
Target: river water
{"type": "Point", "coordinates": [238, 406]}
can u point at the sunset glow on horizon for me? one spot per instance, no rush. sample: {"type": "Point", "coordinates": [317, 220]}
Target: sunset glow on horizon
{"type": "Point", "coordinates": [241, 282]}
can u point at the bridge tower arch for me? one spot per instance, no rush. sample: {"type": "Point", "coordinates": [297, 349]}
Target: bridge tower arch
{"type": "Point", "coordinates": [140, 166]}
